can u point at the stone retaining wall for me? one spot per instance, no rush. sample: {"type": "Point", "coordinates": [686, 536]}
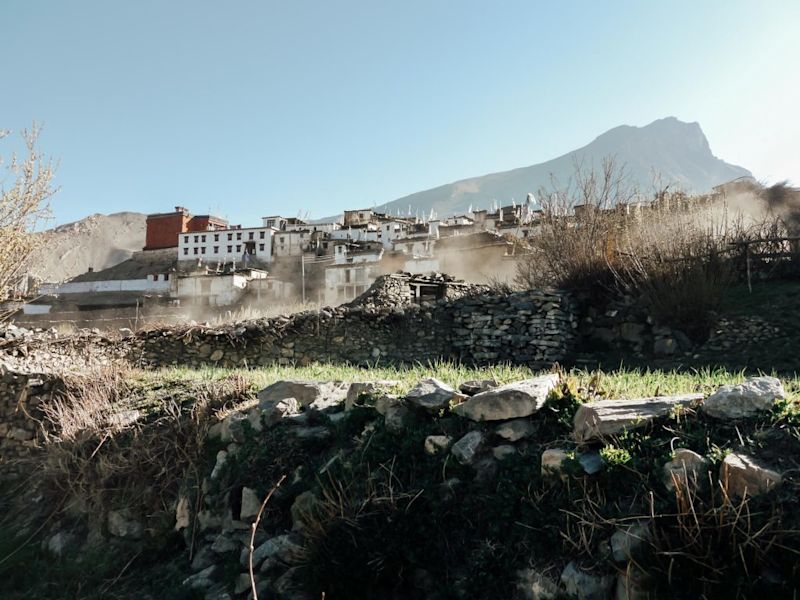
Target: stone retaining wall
{"type": "Point", "coordinates": [21, 395]}
{"type": "Point", "coordinates": [534, 328]}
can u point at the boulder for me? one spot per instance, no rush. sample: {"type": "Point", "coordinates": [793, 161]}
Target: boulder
{"type": "Point", "coordinates": [251, 504]}
{"type": "Point", "coordinates": [282, 547]}
{"type": "Point", "coordinates": [202, 580]}
{"type": "Point", "coordinates": [476, 386]}
{"type": "Point", "coordinates": [395, 416]}
{"type": "Point", "coordinates": [553, 463]}
{"type": "Point", "coordinates": [747, 399]}
{"type": "Point", "coordinates": [688, 469]}
{"type": "Point", "coordinates": [586, 585]}
{"type": "Point", "coordinates": [591, 462]}
{"type": "Point", "coordinates": [431, 394]}
{"type": "Point", "coordinates": [61, 543]}
{"type": "Point", "coordinates": [202, 559]}
{"type": "Point", "coordinates": [510, 401]}
{"type": "Point", "coordinates": [360, 388]}
{"type": "Point", "coordinates": [271, 412]}
{"type": "Point", "coordinates": [632, 584]}
{"type": "Point", "coordinates": [533, 585]}
{"type": "Point", "coordinates": [242, 584]}
{"type": "Point", "coordinates": [122, 524]}
{"type": "Point", "coordinates": [743, 475]}
{"type": "Point", "coordinates": [303, 510]}
{"type": "Point", "coordinates": [630, 542]}
{"type": "Point", "coordinates": [224, 544]}
{"type": "Point", "coordinates": [666, 346]}
{"type": "Point", "coordinates": [503, 451]}
{"type": "Point", "coordinates": [465, 449]}
{"type": "Point", "coordinates": [233, 428]}
{"type": "Point", "coordinates": [515, 430]}
{"type": "Point", "coordinates": [436, 444]}
{"type": "Point", "coordinates": [219, 465]}
{"type": "Point", "coordinates": [306, 393]}
{"type": "Point", "coordinates": [315, 433]}
{"type": "Point", "coordinates": [183, 514]}
{"type": "Point", "coordinates": [596, 420]}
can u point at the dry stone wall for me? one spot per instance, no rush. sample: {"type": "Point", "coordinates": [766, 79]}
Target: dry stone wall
{"type": "Point", "coordinates": [21, 396]}
{"type": "Point", "coordinates": [534, 328]}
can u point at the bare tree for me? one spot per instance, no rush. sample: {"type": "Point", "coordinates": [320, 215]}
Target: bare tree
{"type": "Point", "coordinates": [26, 186]}
{"type": "Point", "coordinates": [577, 229]}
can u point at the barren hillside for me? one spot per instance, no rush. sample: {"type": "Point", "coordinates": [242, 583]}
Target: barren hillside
{"type": "Point", "coordinates": [98, 241]}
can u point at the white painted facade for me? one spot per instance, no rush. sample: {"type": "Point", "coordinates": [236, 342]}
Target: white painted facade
{"type": "Point", "coordinates": [419, 266]}
{"type": "Point", "coordinates": [153, 283]}
{"type": "Point", "coordinates": [227, 245]}
{"type": "Point", "coordinates": [341, 255]}
{"type": "Point", "coordinates": [211, 290]}
{"type": "Point", "coordinates": [346, 281]}
{"type": "Point", "coordinates": [415, 246]}
{"type": "Point", "coordinates": [357, 234]}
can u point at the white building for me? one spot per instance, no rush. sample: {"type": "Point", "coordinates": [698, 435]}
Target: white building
{"type": "Point", "coordinates": [291, 242]}
{"type": "Point", "coordinates": [227, 245]}
{"type": "Point", "coordinates": [215, 290]}
{"type": "Point", "coordinates": [352, 273]}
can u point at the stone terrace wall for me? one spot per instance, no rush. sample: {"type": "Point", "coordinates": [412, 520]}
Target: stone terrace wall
{"type": "Point", "coordinates": [535, 328]}
{"type": "Point", "coordinates": [21, 395]}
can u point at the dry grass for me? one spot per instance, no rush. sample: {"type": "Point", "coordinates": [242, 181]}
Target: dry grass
{"type": "Point", "coordinates": [675, 252]}
{"type": "Point", "coordinates": [110, 440]}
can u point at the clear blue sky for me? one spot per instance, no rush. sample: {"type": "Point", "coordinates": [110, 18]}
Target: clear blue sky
{"type": "Point", "coordinates": [248, 108]}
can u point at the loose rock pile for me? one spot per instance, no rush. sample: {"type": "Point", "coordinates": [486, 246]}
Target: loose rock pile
{"type": "Point", "coordinates": [502, 419]}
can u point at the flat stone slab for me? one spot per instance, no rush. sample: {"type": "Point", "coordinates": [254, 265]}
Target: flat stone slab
{"type": "Point", "coordinates": [743, 475]}
{"type": "Point", "coordinates": [431, 394]}
{"type": "Point", "coordinates": [510, 401]}
{"type": "Point", "coordinates": [596, 420]}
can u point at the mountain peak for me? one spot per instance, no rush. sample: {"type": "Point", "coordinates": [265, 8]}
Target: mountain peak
{"type": "Point", "coordinates": [669, 150]}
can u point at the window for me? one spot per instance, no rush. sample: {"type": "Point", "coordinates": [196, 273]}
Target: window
{"type": "Point", "coordinates": [261, 235]}
{"type": "Point", "coordinates": [238, 236]}
{"type": "Point", "coordinates": [166, 276]}
{"type": "Point", "coordinates": [230, 237]}
{"type": "Point", "coordinates": [216, 249]}
{"type": "Point", "coordinates": [196, 238]}
{"type": "Point", "coordinates": [186, 239]}
{"type": "Point", "coordinates": [202, 238]}
{"type": "Point", "coordinates": [251, 235]}
{"type": "Point", "coordinates": [230, 249]}
{"type": "Point", "coordinates": [195, 250]}
{"type": "Point", "coordinates": [185, 251]}
{"type": "Point", "coordinates": [281, 239]}
{"type": "Point", "coordinates": [261, 247]}
{"type": "Point", "coordinates": [238, 248]}
{"type": "Point", "coordinates": [216, 237]}
{"type": "Point", "coordinates": [203, 250]}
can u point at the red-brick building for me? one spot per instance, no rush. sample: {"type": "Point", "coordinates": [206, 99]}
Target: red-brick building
{"type": "Point", "coordinates": [163, 229]}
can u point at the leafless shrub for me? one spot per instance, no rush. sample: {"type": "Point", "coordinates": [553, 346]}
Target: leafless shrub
{"type": "Point", "coordinates": [25, 190]}
{"type": "Point", "coordinates": [578, 230]}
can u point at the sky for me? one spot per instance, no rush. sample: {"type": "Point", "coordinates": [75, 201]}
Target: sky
{"type": "Point", "coordinates": [250, 108]}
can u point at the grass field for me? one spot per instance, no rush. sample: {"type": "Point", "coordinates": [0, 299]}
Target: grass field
{"type": "Point", "coordinates": [622, 382]}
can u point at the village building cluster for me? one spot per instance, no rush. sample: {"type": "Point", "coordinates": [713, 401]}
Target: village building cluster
{"type": "Point", "coordinates": [204, 261]}
{"type": "Point", "coordinates": [351, 252]}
